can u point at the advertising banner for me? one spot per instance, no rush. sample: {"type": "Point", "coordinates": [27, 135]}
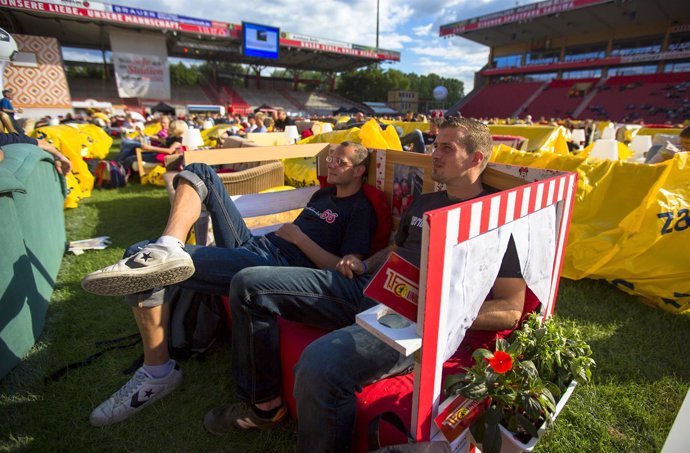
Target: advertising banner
{"type": "Point", "coordinates": [141, 65]}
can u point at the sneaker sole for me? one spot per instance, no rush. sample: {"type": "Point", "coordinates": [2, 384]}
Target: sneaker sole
{"type": "Point", "coordinates": [122, 284]}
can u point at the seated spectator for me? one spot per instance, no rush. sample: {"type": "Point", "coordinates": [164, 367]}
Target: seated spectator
{"type": "Point", "coordinates": [269, 124]}
{"type": "Point", "coordinates": [172, 145]}
{"type": "Point", "coordinates": [283, 120]}
{"type": "Point", "coordinates": [358, 118]}
{"type": "Point", "coordinates": [260, 127]}
{"type": "Point", "coordinates": [334, 367]}
{"type": "Point", "coordinates": [128, 146]}
{"type": "Point", "coordinates": [338, 222]}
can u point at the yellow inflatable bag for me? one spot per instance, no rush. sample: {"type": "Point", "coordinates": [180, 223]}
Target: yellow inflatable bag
{"type": "Point", "coordinates": [300, 172]}
{"type": "Point", "coordinates": [630, 223]}
{"type": "Point", "coordinates": [96, 142]}
{"type": "Point", "coordinates": [69, 141]}
{"type": "Point", "coordinates": [154, 176]}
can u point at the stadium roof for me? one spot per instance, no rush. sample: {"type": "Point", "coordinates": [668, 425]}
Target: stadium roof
{"type": "Point", "coordinates": [558, 18]}
{"type": "Point", "coordinates": [87, 23]}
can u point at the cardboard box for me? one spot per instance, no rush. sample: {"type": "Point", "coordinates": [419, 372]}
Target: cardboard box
{"type": "Point", "coordinates": [255, 154]}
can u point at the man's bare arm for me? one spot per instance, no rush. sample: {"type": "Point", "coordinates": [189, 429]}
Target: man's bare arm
{"type": "Point", "coordinates": [505, 309]}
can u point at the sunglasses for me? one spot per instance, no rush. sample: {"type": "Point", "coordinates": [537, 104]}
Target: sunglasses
{"type": "Point", "coordinates": [339, 162]}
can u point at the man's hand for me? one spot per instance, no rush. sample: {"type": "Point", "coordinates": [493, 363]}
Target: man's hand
{"type": "Point", "coordinates": [350, 266]}
{"type": "Point", "coordinates": [291, 233]}
{"type": "Point", "coordinates": [63, 164]}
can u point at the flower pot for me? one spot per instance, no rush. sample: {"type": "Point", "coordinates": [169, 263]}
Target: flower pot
{"type": "Point", "coordinates": [510, 444]}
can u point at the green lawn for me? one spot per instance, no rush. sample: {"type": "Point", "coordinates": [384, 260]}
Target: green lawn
{"type": "Point", "coordinates": [641, 378]}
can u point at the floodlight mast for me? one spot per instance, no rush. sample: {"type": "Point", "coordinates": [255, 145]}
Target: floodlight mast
{"type": "Point", "coordinates": [377, 26]}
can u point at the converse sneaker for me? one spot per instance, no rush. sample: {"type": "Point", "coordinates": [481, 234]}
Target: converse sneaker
{"type": "Point", "coordinates": [139, 392]}
{"type": "Point", "coordinates": [153, 266]}
{"type": "Point", "coordinates": [241, 416]}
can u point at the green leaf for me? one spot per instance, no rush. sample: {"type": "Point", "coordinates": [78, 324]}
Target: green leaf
{"type": "Point", "coordinates": [453, 380]}
{"type": "Point", "coordinates": [527, 425]}
{"type": "Point", "coordinates": [513, 423]}
{"type": "Point", "coordinates": [479, 354]}
{"type": "Point", "coordinates": [532, 408]}
{"type": "Point", "coordinates": [501, 344]}
{"type": "Point", "coordinates": [492, 439]}
{"type": "Point", "coordinates": [476, 391]}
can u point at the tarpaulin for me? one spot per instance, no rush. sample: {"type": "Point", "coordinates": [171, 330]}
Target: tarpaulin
{"type": "Point", "coordinates": [541, 138]}
{"type": "Point", "coordinates": [96, 142]}
{"type": "Point", "coordinates": [70, 141]}
{"type": "Point", "coordinates": [370, 135]}
{"type": "Point", "coordinates": [630, 223]}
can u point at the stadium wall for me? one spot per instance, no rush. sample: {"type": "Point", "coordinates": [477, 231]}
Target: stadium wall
{"type": "Point", "coordinates": [41, 89]}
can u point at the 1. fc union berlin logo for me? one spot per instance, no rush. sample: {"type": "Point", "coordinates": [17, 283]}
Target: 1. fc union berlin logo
{"type": "Point", "coordinates": [401, 286]}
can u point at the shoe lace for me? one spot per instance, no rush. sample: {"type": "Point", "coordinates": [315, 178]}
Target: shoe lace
{"type": "Point", "coordinates": [131, 386]}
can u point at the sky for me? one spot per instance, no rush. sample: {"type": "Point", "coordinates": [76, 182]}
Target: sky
{"type": "Point", "coordinates": [408, 26]}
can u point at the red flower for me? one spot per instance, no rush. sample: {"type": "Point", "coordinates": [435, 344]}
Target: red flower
{"type": "Point", "coordinates": [501, 362]}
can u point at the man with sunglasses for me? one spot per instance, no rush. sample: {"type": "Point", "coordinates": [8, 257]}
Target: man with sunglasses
{"type": "Point", "coordinates": [337, 221]}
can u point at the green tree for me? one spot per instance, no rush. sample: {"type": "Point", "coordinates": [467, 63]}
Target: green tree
{"type": "Point", "coordinates": [373, 84]}
{"type": "Point", "coordinates": [180, 74]}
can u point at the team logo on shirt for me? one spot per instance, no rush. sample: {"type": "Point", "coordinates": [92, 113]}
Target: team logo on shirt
{"type": "Point", "coordinates": [327, 215]}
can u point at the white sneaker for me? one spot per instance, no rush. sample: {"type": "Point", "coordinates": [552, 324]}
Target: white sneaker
{"type": "Point", "coordinates": [153, 266]}
{"type": "Point", "coordinates": [135, 395]}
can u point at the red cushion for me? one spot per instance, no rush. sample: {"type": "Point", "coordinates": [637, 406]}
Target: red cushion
{"type": "Point", "coordinates": [392, 394]}
{"type": "Point", "coordinates": [294, 337]}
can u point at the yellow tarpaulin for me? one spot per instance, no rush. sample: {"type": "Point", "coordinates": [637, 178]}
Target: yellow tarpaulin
{"type": "Point", "coordinates": [96, 142]}
{"type": "Point", "coordinates": [69, 141]}
{"type": "Point", "coordinates": [630, 223]}
{"type": "Point", "coordinates": [370, 135]}
{"type": "Point", "coordinates": [541, 138]}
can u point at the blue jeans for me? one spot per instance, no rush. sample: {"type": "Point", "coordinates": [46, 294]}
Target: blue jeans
{"type": "Point", "coordinates": [329, 373]}
{"type": "Point", "coordinates": [330, 370]}
{"type": "Point", "coordinates": [236, 248]}
{"type": "Point", "coordinates": [127, 149]}
{"type": "Point", "coordinates": [314, 297]}
{"type": "Point", "coordinates": [416, 139]}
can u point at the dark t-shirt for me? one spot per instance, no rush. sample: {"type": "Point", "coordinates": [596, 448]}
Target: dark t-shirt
{"type": "Point", "coordinates": [408, 238]}
{"type": "Point", "coordinates": [409, 241]}
{"type": "Point", "coordinates": [338, 225]}
{"type": "Point", "coordinates": [11, 139]}
{"type": "Point", "coordinates": [280, 124]}
{"type": "Point", "coordinates": [171, 139]}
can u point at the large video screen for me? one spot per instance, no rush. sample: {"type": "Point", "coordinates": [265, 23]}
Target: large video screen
{"type": "Point", "coordinates": [260, 40]}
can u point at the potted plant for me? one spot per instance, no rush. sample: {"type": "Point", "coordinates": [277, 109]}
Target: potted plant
{"type": "Point", "coordinates": [527, 381]}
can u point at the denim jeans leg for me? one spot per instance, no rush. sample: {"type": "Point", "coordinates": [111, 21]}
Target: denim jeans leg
{"type": "Point", "coordinates": [416, 139]}
{"type": "Point", "coordinates": [229, 228]}
{"type": "Point", "coordinates": [127, 149]}
{"type": "Point", "coordinates": [319, 298]}
{"type": "Point", "coordinates": [329, 373]}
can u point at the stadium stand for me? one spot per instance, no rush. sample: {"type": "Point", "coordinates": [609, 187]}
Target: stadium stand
{"type": "Point", "coordinates": [238, 103]}
{"type": "Point", "coordinates": [106, 91]}
{"type": "Point", "coordinates": [501, 99]}
{"type": "Point", "coordinates": [560, 98]}
{"type": "Point", "coordinates": [620, 61]}
{"type": "Point", "coordinates": [257, 97]}
{"type": "Point", "coordinates": [654, 98]}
